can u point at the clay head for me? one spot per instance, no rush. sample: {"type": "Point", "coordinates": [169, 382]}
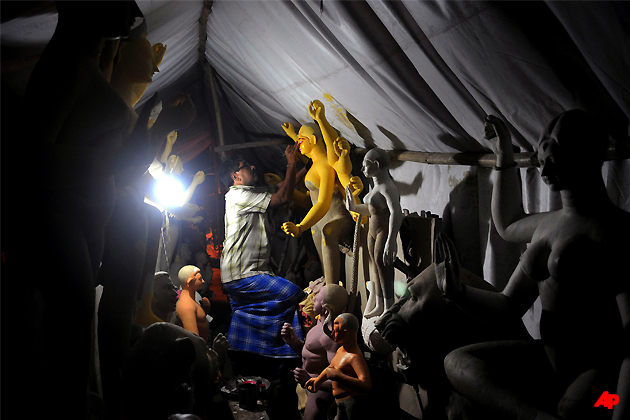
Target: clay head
{"type": "Point", "coordinates": [136, 61]}
{"type": "Point", "coordinates": [307, 138]}
{"type": "Point", "coordinates": [346, 326]}
{"type": "Point", "coordinates": [374, 161]}
{"type": "Point", "coordinates": [190, 277]}
{"type": "Point", "coordinates": [334, 299]}
{"type": "Point", "coordinates": [571, 148]}
{"type": "Point", "coordinates": [164, 292]}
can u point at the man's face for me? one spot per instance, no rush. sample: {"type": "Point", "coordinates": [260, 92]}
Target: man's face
{"type": "Point", "coordinates": [245, 174]}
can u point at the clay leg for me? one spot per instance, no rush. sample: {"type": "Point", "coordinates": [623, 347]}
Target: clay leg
{"type": "Point", "coordinates": [513, 378]}
{"type": "Point", "coordinates": [385, 275]}
{"type": "Point", "coordinates": [332, 231]}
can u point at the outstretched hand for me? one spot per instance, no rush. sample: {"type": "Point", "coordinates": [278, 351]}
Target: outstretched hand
{"type": "Point", "coordinates": [497, 132]}
{"type": "Point", "coordinates": [447, 269]}
{"type": "Point", "coordinates": [316, 110]}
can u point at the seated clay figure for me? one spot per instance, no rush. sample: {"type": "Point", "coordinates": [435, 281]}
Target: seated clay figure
{"type": "Point", "coordinates": [348, 372]}
{"type": "Point", "coordinates": [574, 262]}
{"type": "Point", "coordinates": [382, 204]}
{"type": "Point", "coordinates": [170, 370]}
{"type": "Point", "coordinates": [318, 349]}
{"type": "Point", "coordinates": [328, 219]}
{"type": "Point", "coordinates": [426, 327]}
{"type": "Point", "coordinates": [190, 314]}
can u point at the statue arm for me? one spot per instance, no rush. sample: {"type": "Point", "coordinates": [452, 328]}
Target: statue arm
{"type": "Point", "coordinates": [324, 198]}
{"type": "Point", "coordinates": [168, 148]}
{"type": "Point", "coordinates": [352, 206]}
{"type": "Point", "coordinates": [516, 298]}
{"type": "Point", "coordinates": [395, 220]}
{"type": "Point", "coordinates": [511, 221]}
{"type": "Point", "coordinates": [317, 111]}
{"type": "Point", "coordinates": [362, 383]}
{"type": "Point", "coordinates": [198, 179]}
{"type": "Point", "coordinates": [302, 199]}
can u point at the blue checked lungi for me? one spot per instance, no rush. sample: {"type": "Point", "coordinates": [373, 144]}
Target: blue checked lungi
{"type": "Point", "coordinates": [261, 304]}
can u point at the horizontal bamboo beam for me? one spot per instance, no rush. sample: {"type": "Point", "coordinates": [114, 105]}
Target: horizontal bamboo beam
{"type": "Point", "coordinates": [264, 143]}
{"type": "Point", "coordinates": [484, 160]}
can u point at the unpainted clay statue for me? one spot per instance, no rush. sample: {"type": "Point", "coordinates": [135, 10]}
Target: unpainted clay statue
{"type": "Point", "coordinates": [348, 372]}
{"type": "Point", "coordinates": [318, 349]}
{"type": "Point", "coordinates": [382, 204]}
{"type": "Point", "coordinates": [190, 314]}
{"type": "Point", "coordinates": [574, 262]}
{"type": "Point", "coordinates": [170, 370]}
{"type": "Point", "coordinates": [78, 138]}
{"type": "Point", "coordinates": [328, 219]}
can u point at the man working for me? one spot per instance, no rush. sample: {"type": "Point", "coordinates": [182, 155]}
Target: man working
{"type": "Point", "coordinates": [261, 302]}
{"type": "Point", "coordinates": [348, 372]}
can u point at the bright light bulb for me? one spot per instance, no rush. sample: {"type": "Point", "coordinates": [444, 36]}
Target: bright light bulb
{"type": "Point", "coordinates": [169, 192]}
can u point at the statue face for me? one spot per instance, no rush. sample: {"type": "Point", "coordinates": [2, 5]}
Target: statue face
{"type": "Point", "coordinates": [319, 301]}
{"type": "Point", "coordinates": [305, 140]}
{"type": "Point", "coordinates": [369, 167]}
{"type": "Point", "coordinates": [340, 332]}
{"type": "Point", "coordinates": [164, 292]}
{"type": "Point", "coordinates": [139, 62]}
{"type": "Point", "coordinates": [197, 282]}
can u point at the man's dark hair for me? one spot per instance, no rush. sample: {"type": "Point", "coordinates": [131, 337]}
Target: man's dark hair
{"type": "Point", "coordinates": [228, 167]}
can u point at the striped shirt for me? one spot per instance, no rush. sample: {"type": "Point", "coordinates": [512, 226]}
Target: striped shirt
{"type": "Point", "coordinates": [246, 250]}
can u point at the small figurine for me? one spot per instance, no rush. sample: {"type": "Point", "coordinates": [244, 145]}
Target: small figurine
{"type": "Point", "coordinates": [382, 204]}
{"type": "Point", "coordinates": [348, 372]}
{"type": "Point", "coordinates": [318, 349]}
{"type": "Point", "coordinates": [190, 314]}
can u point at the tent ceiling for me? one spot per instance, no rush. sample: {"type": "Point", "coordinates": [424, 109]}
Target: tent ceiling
{"type": "Point", "coordinates": [401, 75]}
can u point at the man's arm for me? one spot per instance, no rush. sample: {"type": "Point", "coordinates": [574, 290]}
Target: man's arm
{"type": "Point", "coordinates": [284, 193]}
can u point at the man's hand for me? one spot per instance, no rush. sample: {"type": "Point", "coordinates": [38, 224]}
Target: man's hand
{"type": "Point", "coordinates": [291, 153]}
{"type": "Point", "coordinates": [291, 229]}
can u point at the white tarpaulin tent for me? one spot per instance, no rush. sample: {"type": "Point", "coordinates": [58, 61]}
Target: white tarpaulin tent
{"type": "Point", "coordinates": [401, 75]}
